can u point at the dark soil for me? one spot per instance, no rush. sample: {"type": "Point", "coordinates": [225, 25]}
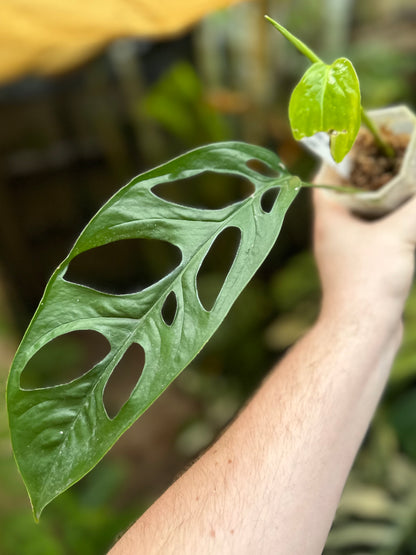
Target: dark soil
{"type": "Point", "coordinates": [372, 168]}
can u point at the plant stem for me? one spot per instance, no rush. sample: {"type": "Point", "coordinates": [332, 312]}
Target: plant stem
{"type": "Point", "coordinates": [337, 188]}
{"type": "Point", "coordinates": [383, 146]}
{"type": "Point", "coordinates": [303, 49]}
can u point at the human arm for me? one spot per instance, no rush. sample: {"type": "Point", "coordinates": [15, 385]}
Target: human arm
{"type": "Point", "coordinates": [272, 482]}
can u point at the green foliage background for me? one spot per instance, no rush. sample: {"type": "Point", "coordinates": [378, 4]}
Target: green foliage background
{"type": "Point", "coordinates": [227, 80]}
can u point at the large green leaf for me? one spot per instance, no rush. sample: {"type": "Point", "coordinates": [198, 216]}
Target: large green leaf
{"type": "Point", "coordinates": [328, 99]}
{"type": "Point", "coordinates": [59, 433]}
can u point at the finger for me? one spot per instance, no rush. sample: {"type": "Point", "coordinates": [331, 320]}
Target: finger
{"type": "Point", "coordinates": [327, 208]}
{"type": "Point", "coordinates": [325, 202]}
{"type": "Point", "coordinates": [403, 220]}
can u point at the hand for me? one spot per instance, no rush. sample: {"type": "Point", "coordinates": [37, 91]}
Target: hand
{"type": "Point", "coordinates": [366, 262]}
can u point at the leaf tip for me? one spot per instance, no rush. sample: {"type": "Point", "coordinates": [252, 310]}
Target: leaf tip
{"type": "Point", "coordinates": [37, 509]}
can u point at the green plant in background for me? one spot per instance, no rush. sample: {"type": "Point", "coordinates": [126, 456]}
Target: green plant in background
{"type": "Point", "coordinates": [178, 104]}
{"type": "Point", "coordinates": [60, 432]}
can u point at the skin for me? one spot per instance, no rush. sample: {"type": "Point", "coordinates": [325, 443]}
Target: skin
{"type": "Point", "coordinates": [272, 482]}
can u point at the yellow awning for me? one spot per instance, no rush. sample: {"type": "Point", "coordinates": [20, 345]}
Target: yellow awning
{"type": "Point", "coordinates": [43, 36]}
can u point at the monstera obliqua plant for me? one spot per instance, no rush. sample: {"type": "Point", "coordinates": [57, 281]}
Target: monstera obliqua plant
{"type": "Point", "coordinates": [59, 433]}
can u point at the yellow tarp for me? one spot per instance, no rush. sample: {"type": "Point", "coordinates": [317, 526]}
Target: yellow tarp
{"type": "Point", "coordinates": [42, 36]}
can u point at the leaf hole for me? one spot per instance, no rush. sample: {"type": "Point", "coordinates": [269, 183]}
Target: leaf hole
{"type": "Point", "coordinates": [216, 266]}
{"type": "Point", "coordinates": [126, 266]}
{"type": "Point", "coordinates": [208, 190]}
{"type": "Point", "coordinates": [169, 308]}
{"type": "Point", "coordinates": [64, 359]}
{"type": "Point", "coordinates": [262, 168]}
{"type": "Point", "coordinates": [268, 199]}
{"type": "Point", "coordinates": [123, 380]}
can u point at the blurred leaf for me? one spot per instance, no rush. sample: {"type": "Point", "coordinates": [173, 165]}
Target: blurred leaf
{"type": "Point", "coordinates": [297, 281]}
{"type": "Point", "coordinates": [59, 433]}
{"type": "Point", "coordinates": [46, 36]}
{"type": "Point", "coordinates": [377, 519]}
{"type": "Point", "coordinates": [290, 327]}
{"type": "Point", "coordinates": [361, 538]}
{"type": "Point", "coordinates": [404, 367]}
{"type": "Point", "coordinates": [385, 73]}
{"type": "Point", "coordinates": [197, 435]}
{"type": "Point", "coordinates": [178, 103]}
{"type": "Point", "coordinates": [296, 292]}
{"type": "Point", "coordinates": [403, 418]}
{"type": "Point", "coordinates": [364, 501]}
{"type": "Point", "coordinates": [23, 536]}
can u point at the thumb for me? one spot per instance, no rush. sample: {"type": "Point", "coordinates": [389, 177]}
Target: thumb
{"type": "Point", "coordinates": [325, 203]}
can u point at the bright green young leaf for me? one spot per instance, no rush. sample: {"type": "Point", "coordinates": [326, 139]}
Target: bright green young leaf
{"type": "Point", "coordinates": [328, 99]}
{"type": "Point", "coordinates": [59, 433]}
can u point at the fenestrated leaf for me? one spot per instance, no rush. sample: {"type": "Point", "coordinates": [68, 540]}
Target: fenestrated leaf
{"type": "Point", "coordinates": [59, 433]}
{"type": "Point", "coordinates": [328, 99]}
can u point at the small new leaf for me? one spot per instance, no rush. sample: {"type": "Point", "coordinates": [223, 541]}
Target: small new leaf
{"type": "Point", "coordinates": [328, 99]}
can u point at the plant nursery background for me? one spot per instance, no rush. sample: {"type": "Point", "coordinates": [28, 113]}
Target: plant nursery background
{"type": "Point", "coordinates": [71, 138]}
